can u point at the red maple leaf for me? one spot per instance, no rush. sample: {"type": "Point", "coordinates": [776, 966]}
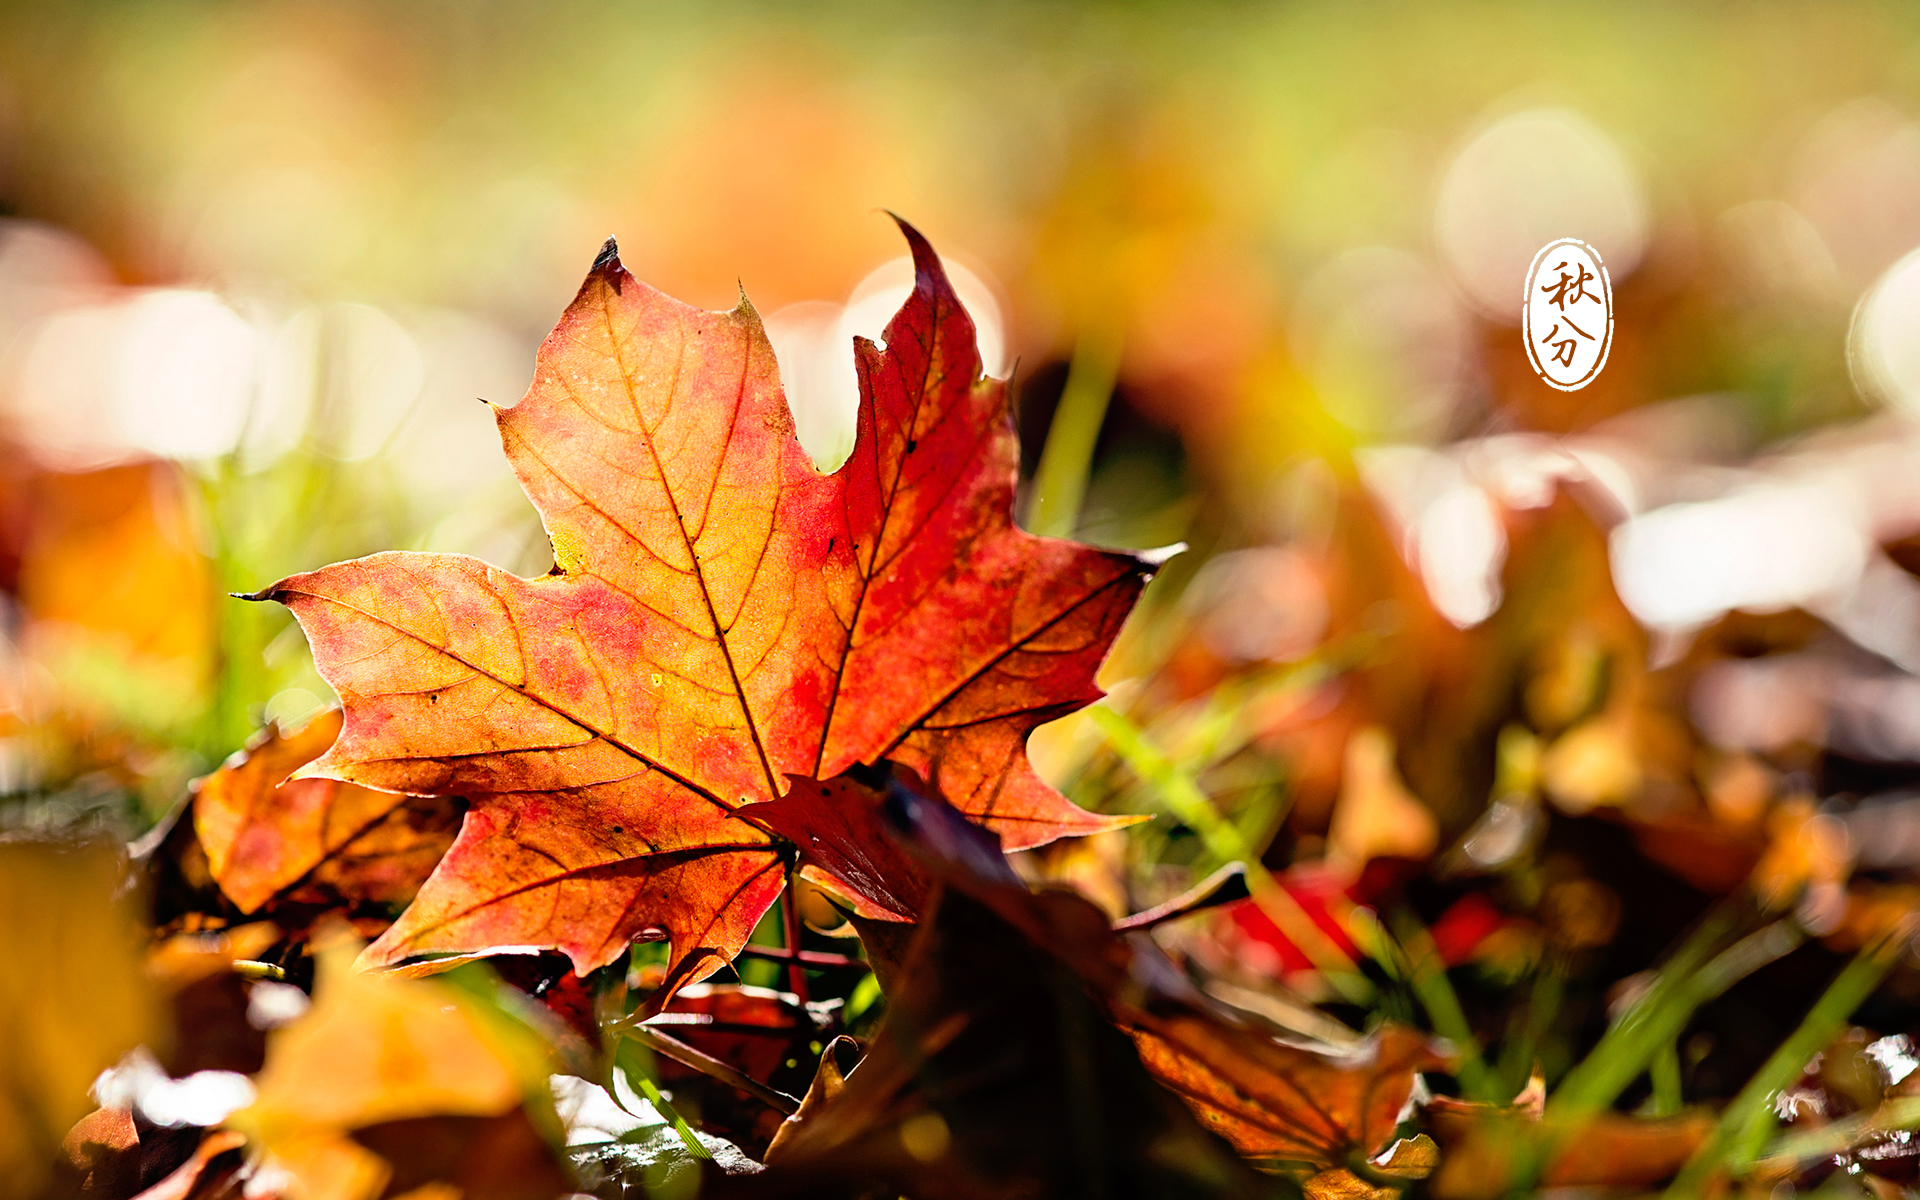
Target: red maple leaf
{"type": "Point", "coordinates": [721, 618]}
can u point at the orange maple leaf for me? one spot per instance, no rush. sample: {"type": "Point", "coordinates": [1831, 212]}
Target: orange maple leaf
{"type": "Point", "coordinates": [721, 618]}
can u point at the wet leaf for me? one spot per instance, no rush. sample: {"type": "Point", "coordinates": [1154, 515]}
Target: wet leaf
{"type": "Point", "coordinates": [721, 616]}
{"type": "Point", "coordinates": [654, 1158]}
{"type": "Point", "coordinates": [614, 1150]}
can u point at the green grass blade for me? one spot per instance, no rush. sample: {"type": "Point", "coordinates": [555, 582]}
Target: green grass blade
{"type": "Point", "coordinates": [1693, 976]}
{"type": "Point", "coordinates": [1749, 1119]}
{"type": "Point", "coordinates": [1060, 481]}
{"type": "Point", "coordinates": [1183, 797]}
{"type": "Point", "coordinates": [1427, 975]}
{"type": "Point", "coordinates": [634, 1061]}
{"type": "Point", "coordinates": [1664, 1073]}
{"type": "Point", "coordinates": [1689, 980]}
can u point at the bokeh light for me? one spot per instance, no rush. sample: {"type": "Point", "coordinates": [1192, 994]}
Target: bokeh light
{"type": "Point", "coordinates": [1524, 181]}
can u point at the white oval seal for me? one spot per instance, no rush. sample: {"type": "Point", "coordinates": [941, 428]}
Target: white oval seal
{"type": "Point", "coordinates": [1566, 315]}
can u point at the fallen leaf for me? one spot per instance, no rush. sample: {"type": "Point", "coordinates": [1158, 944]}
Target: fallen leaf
{"type": "Point", "coordinates": [979, 996]}
{"type": "Point", "coordinates": [1806, 850]}
{"type": "Point", "coordinates": [721, 617]}
{"type": "Point", "coordinates": [113, 584]}
{"type": "Point", "coordinates": [1407, 1159]}
{"type": "Point", "coordinates": [384, 865]}
{"type": "Point", "coordinates": [1486, 1146]}
{"type": "Point", "coordinates": [101, 1153]}
{"type": "Point", "coordinates": [1610, 1150]}
{"type": "Point", "coordinates": [575, 1002]}
{"type": "Point", "coordinates": [1284, 1102]}
{"type": "Point", "coordinates": [995, 1074]}
{"type": "Point", "coordinates": [208, 999]}
{"type": "Point", "coordinates": [264, 833]}
{"type": "Point", "coordinates": [213, 1172]}
{"type": "Point", "coordinates": [73, 999]}
{"type": "Point", "coordinates": [842, 837]}
{"type": "Point", "coordinates": [1270, 1098]}
{"type": "Point", "coordinates": [1593, 764]}
{"type": "Point", "coordinates": [373, 1051]}
{"type": "Point", "coordinates": [829, 1080]}
{"type": "Point", "coordinates": [501, 1157]}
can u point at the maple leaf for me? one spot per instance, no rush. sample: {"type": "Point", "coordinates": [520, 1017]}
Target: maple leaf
{"type": "Point", "coordinates": [721, 617]}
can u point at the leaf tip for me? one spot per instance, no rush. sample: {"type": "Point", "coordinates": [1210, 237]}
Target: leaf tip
{"type": "Point", "coordinates": [607, 267]}
{"type": "Point", "coordinates": [270, 592]}
{"type": "Point", "coordinates": [744, 307]}
{"type": "Point", "coordinates": [609, 257]}
{"type": "Point", "coordinates": [926, 262]}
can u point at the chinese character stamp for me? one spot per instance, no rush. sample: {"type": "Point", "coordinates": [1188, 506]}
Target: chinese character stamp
{"type": "Point", "coordinates": [1566, 316]}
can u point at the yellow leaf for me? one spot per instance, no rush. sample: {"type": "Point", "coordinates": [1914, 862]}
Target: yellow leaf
{"type": "Point", "coordinates": [73, 996]}
{"type": "Point", "coordinates": [374, 1049]}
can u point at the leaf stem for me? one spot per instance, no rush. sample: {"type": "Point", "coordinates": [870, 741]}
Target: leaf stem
{"type": "Point", "coordinates": [813, 958]}
{"type": "Point", "coordinates": [790, 935]}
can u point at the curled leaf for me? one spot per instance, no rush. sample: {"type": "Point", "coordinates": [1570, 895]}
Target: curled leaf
{"type": "Point", "coordinates": [1272, 1099]}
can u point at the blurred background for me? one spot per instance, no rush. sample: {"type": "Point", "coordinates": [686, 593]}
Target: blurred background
{"type": "Point", "coordinates": [1255, 272]}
